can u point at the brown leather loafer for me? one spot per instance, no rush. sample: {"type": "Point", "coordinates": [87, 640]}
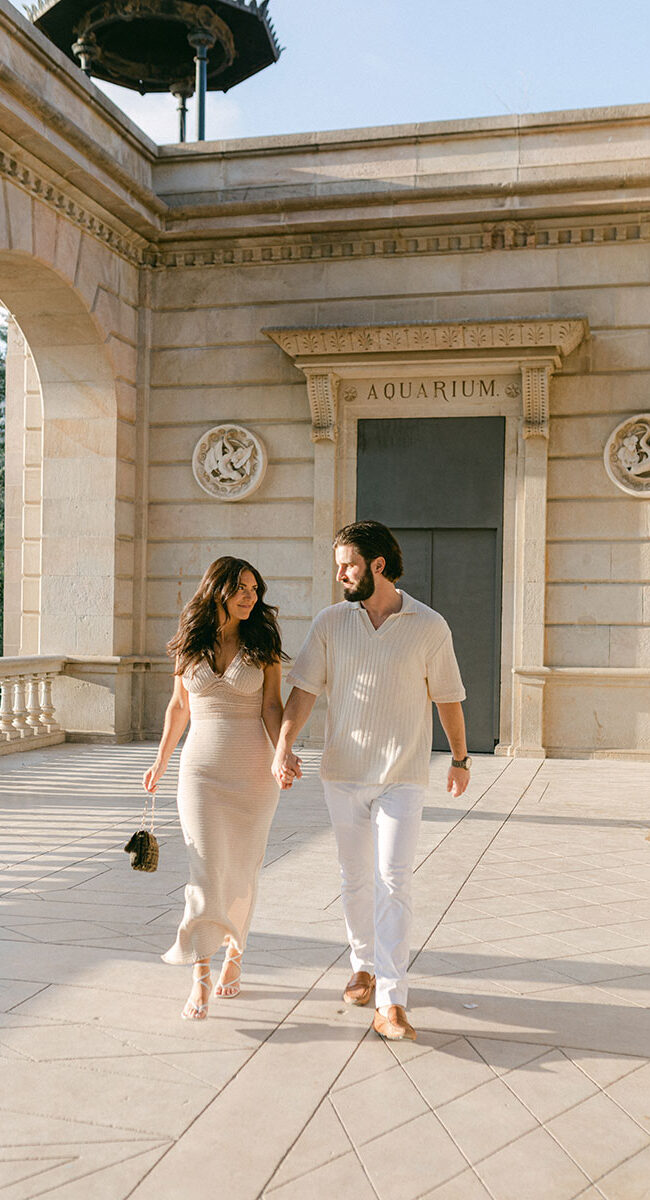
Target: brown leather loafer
{"type": "Point", "coordinates": [359, 988]}
{"type": "Point", "coordinates": [395, 1027]}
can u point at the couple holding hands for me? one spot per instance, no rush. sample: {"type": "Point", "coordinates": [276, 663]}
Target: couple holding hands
{"type": "Point", "coordinates": [381, 657]}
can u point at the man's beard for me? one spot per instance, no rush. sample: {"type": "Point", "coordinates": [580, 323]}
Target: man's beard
{"type": "Point", "coordinates": [364, 588]}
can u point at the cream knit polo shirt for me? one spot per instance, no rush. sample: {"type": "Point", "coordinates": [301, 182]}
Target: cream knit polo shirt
{"type": "Point", "coordinates": [379, 685]}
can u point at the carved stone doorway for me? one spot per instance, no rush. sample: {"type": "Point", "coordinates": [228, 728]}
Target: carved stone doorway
{"type": "Point", "coordinates": [466, 369]}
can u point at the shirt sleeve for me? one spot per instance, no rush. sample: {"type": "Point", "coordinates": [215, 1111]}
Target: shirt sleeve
{"type": "Point", "coordinates": [309, 671]}
{"type": "Point", "coordinates": [443, 675]}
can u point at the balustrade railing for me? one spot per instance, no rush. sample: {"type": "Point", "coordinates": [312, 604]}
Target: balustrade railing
{"type": "Point", "coordinates": [27, 715]}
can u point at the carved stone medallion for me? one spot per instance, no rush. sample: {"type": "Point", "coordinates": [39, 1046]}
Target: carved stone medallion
{"type": "Point", "coordinates": [627, 456]}
{"type": "Point", "coordinates": [229, 462]}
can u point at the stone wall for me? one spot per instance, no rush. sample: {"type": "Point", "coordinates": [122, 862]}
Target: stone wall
{"type": "Point", "coordinates": [211, 362]}
{"type": "Point", "coordinates": [598, 594]}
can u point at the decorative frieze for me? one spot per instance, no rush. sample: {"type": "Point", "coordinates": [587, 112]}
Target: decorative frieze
{"type": "Point", "coordinates": [627, 456]}
{"type": "Point", "coordinates": [561, 337]}
{"type": "Point", "coordinates": [285, 248]}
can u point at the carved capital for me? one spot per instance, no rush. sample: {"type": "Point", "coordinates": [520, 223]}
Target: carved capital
{"type": "Point", "coordinates": [322, 389]}
{"type": "Point", "coordinates": [535, 386]}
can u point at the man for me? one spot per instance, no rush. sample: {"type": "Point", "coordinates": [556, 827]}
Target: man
{"type": "Point", "coordinates": [381, 657]}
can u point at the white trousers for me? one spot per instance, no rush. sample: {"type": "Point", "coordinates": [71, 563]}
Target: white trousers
{"type": "Point", "coordinates": [376, 829]}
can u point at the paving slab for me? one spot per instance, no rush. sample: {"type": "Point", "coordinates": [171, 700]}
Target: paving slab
{"type": "Point", "coordinates": [530, 985]}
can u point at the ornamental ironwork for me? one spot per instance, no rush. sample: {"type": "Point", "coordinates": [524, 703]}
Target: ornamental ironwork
{"type": "Point", "coordinates": [164, 45]}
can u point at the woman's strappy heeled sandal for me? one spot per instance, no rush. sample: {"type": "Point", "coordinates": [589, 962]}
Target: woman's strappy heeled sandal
{"type": "Point", "coordinates": [201, 1010]}
{"type": "Point", "coordinates": [228, 991]}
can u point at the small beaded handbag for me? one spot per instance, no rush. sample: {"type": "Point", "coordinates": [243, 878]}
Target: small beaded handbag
{"type": "Point", "coordinates": [143, 844]}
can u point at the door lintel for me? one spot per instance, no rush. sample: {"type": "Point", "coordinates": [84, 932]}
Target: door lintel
{"type": "Point", "coordinates": [535, 345]}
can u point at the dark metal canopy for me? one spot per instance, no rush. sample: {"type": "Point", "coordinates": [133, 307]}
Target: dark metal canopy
{"type": "Point", "coordinates": [153, 45]}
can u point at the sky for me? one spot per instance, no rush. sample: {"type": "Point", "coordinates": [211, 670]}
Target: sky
{"type": "Point", "coordinates": [350, 63]}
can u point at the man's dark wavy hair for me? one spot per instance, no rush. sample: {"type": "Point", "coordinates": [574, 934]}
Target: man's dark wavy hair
{"type": "Point", "coordinates": [199, 632]}
{"type": "Point", "coordinates": [373, 540]}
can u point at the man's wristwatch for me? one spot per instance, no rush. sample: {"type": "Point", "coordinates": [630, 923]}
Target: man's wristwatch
{"type": "Point", "coordinates": [465, 762]}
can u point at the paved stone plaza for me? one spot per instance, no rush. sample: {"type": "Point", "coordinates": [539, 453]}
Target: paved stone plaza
{"type": "Point", "coordinates": [530, 973]}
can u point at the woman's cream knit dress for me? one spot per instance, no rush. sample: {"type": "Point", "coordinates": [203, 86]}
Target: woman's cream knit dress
{"type": "Point", "coordinates": [226, 801]}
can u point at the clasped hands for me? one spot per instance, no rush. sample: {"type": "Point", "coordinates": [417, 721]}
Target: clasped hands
{"type": "Point", "coordinates": [286, 768]}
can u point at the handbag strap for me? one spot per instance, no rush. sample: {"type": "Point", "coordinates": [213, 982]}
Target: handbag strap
{"type": "Point", "coordinates": [149, 796]}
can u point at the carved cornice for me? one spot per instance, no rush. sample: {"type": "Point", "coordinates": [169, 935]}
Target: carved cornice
{"type": "Point", "coordinates": [283, 247]}
{"type": "Point", "coordinates": [132, 247]}
{"type": "Point", "coordinates": [53, 119]}
{"type": "Point", "coordinates": [558, 337]}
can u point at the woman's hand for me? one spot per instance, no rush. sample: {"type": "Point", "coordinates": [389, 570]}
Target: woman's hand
{"type": "Point", "coordinates": [286, 767]}
{"type": "Point", "coordinates": [152, 777]}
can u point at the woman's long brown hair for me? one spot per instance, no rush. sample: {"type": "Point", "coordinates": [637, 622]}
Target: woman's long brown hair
{"type": "Point", "coordinates": [199, 633]}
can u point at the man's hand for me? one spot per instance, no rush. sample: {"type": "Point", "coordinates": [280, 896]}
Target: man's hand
{"type": "Point", "coordinates": [457, 780]}
{"type": "Point", "coordinates": [286, 767]}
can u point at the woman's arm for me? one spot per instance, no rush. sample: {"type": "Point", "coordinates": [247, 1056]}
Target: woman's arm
{"type": "Point", "coordinates": [272, 707]}
{"type": "Point", "coordinates": [177, 714]}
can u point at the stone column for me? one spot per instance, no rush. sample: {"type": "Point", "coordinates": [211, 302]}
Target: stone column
{"type": "Point", "coordinates": [530, 583]}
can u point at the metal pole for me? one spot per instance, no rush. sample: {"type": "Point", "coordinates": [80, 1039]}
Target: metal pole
{"type": "Point", "coordinates": [202, 42]}
{"type": "Point", "coordinates": [182, 91]}
{"type": "Point", "coordinates": [201, 61]}
{"type": "Point", "coordinates": [182, 118]}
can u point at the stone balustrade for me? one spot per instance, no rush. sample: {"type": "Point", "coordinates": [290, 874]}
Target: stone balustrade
{"type": "Point", "coordinates": [27, 715]}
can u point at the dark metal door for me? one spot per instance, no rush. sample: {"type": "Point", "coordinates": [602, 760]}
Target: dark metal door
{"type": "Point", "coordinates": [437, 483]}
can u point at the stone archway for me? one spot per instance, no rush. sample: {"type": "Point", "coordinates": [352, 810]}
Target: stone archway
{"type": "Point", "coordinates": [73, 288]}
{"type": "Point", "coordinates": [78, 468]}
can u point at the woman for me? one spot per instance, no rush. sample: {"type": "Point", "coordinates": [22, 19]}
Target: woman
{"type": "Point", "coordinates": [227, 679]}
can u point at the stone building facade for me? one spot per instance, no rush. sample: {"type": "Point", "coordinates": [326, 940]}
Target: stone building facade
{"type": "Point", "coordinates": [302, 288]}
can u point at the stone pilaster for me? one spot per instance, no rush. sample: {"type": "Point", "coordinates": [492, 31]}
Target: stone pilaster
{"type": "Point", "coordinates": [528, 715]}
